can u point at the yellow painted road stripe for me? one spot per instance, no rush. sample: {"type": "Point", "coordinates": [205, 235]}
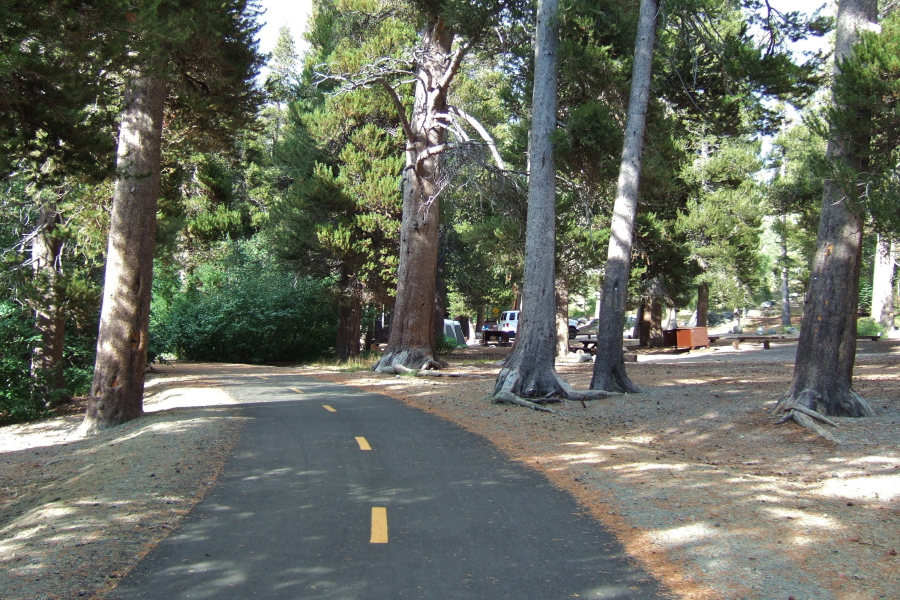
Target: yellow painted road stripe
{"type": "Point", "coordinates": [379, 525]}
{"type": "Point", "coordinates": [363, 444]}
{"type": "Point", "coordinates": [296, 390]}
{"type": "Point", "coordinates": [328, 408]}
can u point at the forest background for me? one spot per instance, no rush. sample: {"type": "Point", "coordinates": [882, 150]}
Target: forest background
{"type": "Point", "coordinates": [278, 217]}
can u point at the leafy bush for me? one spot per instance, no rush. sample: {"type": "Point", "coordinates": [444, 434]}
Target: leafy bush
{"type": "Point", "coordinates": [246, 309]}
{"type": "Point", "coordinates": [868, 326]}
{"type": "Point", "coordinates": [17, 340]}
{"type": "Point", "coordinates": [445, 345]}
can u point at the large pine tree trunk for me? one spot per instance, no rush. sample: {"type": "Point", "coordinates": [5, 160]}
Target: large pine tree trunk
{"type": "Point", "coordinates": [530, 370]}
{"type": "Point", "coordinates": [702, 305]}
{"type": "Point", "coordinates": [118, 387]}
{"type": "Point", "coordinates": [47, 362]}
{"type": "Point", "coordinates": [883, 284]}
{"type": "Point", "coordinates": [411, 342]}
{"type": "Point", "coordinates": [826, 352]}
{"type": "Point", "coordinates": [609, 365]}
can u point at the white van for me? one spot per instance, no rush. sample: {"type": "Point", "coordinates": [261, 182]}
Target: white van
{"type": "Point", "coordinates": [509, 321]}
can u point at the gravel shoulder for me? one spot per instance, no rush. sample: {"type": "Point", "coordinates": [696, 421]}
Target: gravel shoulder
{"type": "Point", "coordinates": [691, 475]}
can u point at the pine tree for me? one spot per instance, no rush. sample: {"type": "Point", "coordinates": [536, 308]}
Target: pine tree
{"type": "Point", "coordinates": [57, 78]}
{"type": "Point", "coordinates": [202, 71]}
{"type": "Point", "coordinates": [826, 352]}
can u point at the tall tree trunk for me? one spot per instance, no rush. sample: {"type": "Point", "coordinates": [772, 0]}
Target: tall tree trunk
{"type": "Point", "coordinates": [530, 370]}
{"type": "Point", "coordinates": [883, 284]}
{"type": "Point", "coordinates": [655, 329]}
{"type": "Point", "coordinates": [411, 342]}
{"type": "Point", "coordinates": [562, 317]}
{"type": "Point", "coordinates": [47, 361]}
{"type": "Point", "coordinates": [609, 365]}
{"type": "Point", "coordinates": [702, 305]}
{"type": "Point", "coordinates": [440, 301]}
{"type": "Point", "coordinates": [826, 352]}
{"type": "Point", "coordinates": [785, 277]}
{"type": "Point", "coordinates": [118, 387]}
{"type": "Point", "coordinates": [349, 319]}
{"type": "Point", "coordinates": [645, 322]}
{"type": "Point", "coordinates": [479, 319]}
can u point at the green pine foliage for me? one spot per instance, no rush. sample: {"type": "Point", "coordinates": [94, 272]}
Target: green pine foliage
{"type": "Point", "coordinates": [722, 218]}
{"type": "Point", "coordinates": [342, 155]}
{"type": "Point", "coordinates": [57, 87]}
{"type": "Point", "coordinates": [867, 113]}
{"type": "Point", "coordinates": [17, 339]}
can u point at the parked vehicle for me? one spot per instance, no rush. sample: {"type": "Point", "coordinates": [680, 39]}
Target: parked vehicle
{"type": "Point", "coordinates": [509, 321]}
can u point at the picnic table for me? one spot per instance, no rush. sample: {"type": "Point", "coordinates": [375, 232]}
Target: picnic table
{"type": "Point", "coordinates": [587, 345]}
{"type": "Point", "coordinates": [502, 337]}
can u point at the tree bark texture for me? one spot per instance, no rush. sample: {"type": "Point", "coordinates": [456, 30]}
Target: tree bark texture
{"type": "Point", "coordinates": [530, 371]}
{"type": "Point", "coordinates": [826, 351]}
{"type": "Point", "coordinates": [655, 324]}
{"type": "Point", "coordinates": [349, 319]}
{"type": "Point", "coordinates": [609, 364]}
{"type": "Point", "coordinates": [562, 317]}
{"type": "Point", "coordinates": [883, 284]}
{"type": "Point", "coordinates": [702, 305]}
{"type": "Point", "coordinates": [644, 323]}
{"type": "Point", "coordinates": [412, 343]}
{"type": "Point", "coordinates": [49, 307]}
{"type": "Point", "coordinates": [785, 277]}
{"type": "Point", "coordinates": [118, 387]}
{"type": "Point", "coordinates": [440, 301]}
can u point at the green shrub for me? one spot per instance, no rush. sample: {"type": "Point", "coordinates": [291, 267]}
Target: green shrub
{"type": "Point", "coordinates": [445, 345]}
{"type": "Point", "coordinates": [17, 340]}
{"type": "Point", "coordinates": [246, 309]}
{"type": "Point", "coordinates": [868, 326]}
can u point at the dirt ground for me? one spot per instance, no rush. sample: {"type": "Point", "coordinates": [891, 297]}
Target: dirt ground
{"type": "Point", "coordinates": [692, 475]}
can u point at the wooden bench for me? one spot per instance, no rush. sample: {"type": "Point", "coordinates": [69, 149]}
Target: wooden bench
{"type": "Point", "coordinates": [765, 339]}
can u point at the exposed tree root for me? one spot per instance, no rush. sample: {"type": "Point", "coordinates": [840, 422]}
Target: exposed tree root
{"type": "Point", "coordinates": [800, 411]}
{"type": "Point", "coordinates": [423, 372]}
{"type": "Point", "coordinates": [542, 386]}
{"type": "Point", "coordinates": [611, 377]}
{"type": "Point", "coordinates": [591, 395]}
{"type": "Point", "coordinates": [412, 360]}
{"type": "Point", "coordinates": [504, 397]}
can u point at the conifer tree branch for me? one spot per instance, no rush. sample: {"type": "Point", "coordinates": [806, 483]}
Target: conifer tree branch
{"type": "Point", "coordinates": [480, 129]}
{"type": "Point", "coordinates": [455, 63]}
{"type": "Point", "coordinates": [401, 111]}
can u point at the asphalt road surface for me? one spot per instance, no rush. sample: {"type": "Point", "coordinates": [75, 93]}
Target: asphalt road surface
{"type": "Point", "coordinates": [334, 493]}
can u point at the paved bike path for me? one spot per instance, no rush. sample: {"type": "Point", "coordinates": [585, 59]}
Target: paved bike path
{"type": "Point", "coordinates": [292, 514]}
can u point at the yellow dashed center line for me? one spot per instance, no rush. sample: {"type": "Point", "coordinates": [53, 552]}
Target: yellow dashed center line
{"type": "Point", "coordinates": [363, 444]}
{"type": "Point", "coordinates": [296, 390]}
{"type": "Point", "coordinates": [379, 525]}
{"type": "Point", "coordinates": [328, 408]}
